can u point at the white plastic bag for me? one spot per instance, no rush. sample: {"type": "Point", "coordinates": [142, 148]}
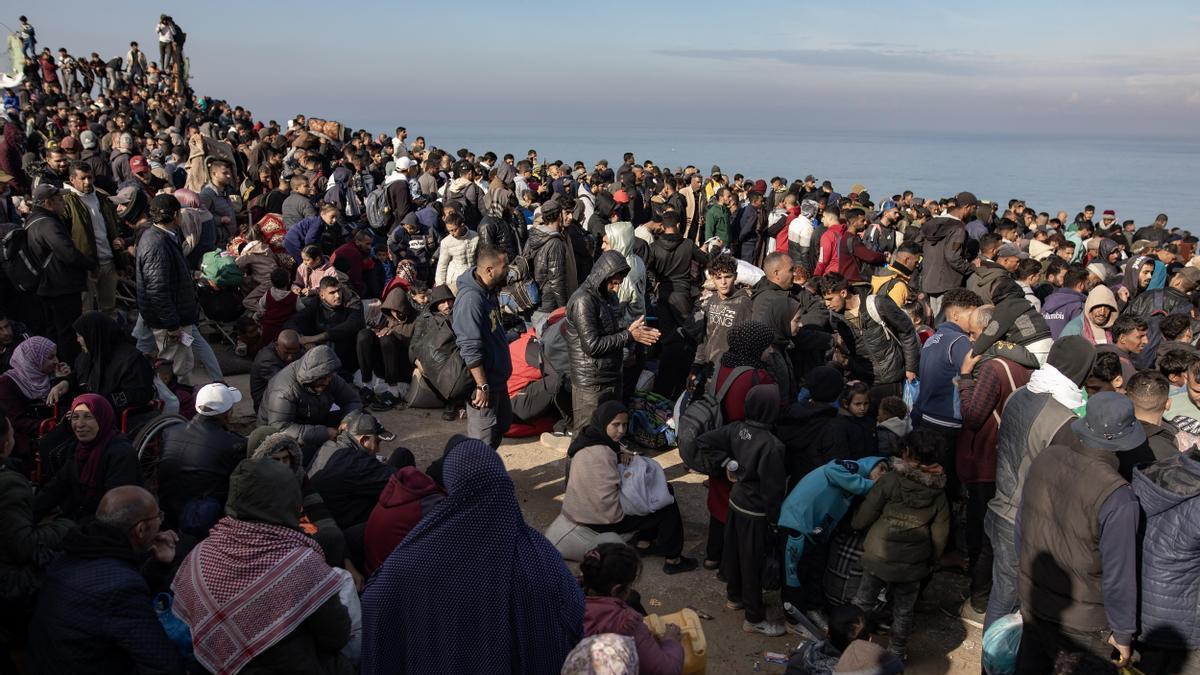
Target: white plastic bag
{"type": "Point", "coordinates": [643, 487]}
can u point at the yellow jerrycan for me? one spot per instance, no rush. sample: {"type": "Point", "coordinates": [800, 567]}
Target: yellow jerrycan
{"type": "Point", "coordinates": [695, 659]}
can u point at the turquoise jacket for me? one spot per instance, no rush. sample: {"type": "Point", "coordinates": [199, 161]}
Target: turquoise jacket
{"type": "Point", "coordinates": [817, 504]}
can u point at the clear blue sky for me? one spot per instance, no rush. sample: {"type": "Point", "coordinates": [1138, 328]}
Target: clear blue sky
{"type": "Point", "coordinates": [1030, 66]}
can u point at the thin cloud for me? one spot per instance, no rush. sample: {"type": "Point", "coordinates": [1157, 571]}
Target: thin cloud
{"type": "Point", "coordinates": [863, 56]}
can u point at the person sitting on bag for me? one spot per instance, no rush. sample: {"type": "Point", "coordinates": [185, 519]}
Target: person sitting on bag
{"type": "Point", "coordinates": [593, 497]}
{"type": "Point", "coordinates": [756, 468]}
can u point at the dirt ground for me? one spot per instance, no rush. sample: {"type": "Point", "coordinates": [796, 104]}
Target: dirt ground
{"type": "Point", "coordinates": [939, 644]}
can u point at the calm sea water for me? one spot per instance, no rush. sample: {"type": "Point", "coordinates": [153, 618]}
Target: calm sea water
{"type": "Point", "coordinates": [1137, 177]}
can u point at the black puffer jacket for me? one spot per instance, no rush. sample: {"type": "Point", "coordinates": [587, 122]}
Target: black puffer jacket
{"type": "Point", "coordinates": [499, 233]}
{"type": "Point", "coordinates": [290, 404]}
{"type": "Point", "coordinates": [197, 460]}
{"type": "Point", "coordinates": [547, 251]}
{"type": "Point", "coordinates": [595, 340]}
{"type": "Point", "coordinates": [166, 294]}
{"type": "Point", "coordinates": [889, 355]}
{"type": "Point", "coordinates": [50, 243]}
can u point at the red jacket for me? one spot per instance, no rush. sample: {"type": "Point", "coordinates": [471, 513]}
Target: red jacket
{"type": "Point", "coordinates": [982, 401]}
{"type": "Point", "coordinates": [358, 264]}
{"type": "Point", "coordinates": [604, 614]}
{"type": "Point", "coordinates": [844, 253]}
{"type": "Point", "coordinates": [408, 495]}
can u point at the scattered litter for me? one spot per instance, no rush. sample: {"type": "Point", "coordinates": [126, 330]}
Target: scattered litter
{"type": "Point", "coordinates": [654, 602]}
{"type": "Point", "coordinates": [701, 613]}
{"type": "Point", "coordinates": [775, 657]}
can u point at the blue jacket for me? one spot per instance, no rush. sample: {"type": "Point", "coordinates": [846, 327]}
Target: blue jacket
{"type": "Point", "coordinates": [481, 338]}
{"type": "Point", "coordinates": [303, 233]}
{"type": "Point", "coordinates": [941, 357]}
{"type": "Point", "coordinates": [94, 612]}
{"type": "Point", "coordinates": [1170, 605]}
{"type": "Point", "coordinates": [817, 504]}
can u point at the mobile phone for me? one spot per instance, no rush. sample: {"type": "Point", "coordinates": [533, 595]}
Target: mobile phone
{"type": "Point", "coordinates": [651, 321]}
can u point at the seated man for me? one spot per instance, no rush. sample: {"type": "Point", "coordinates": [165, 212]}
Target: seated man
{"type": "Point", "coordinates": [197, 460]}
{"type": "Point", "coordinates": [272, 359]}
{"type": "Point", "coordinates": [299, 400]}
{"type": "Point", "coordinates": [347, 473]}
{"type": "Point", "coordinates": [94, 613]}
{"type": "Point", "coordinates": [335, 320]}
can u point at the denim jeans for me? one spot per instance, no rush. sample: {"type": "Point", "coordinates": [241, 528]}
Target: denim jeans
{"type": "Point", "coordinates": [1003, 599]}
{"type": "Point", "coordinates": [202, 351]}
{"type": "Point", "coordinates": [904, 601]}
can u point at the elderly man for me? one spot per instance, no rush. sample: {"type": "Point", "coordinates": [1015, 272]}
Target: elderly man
{"type": "Point", "coordinates": [94, 612]}
{"type": "Point", "coordinates": [299, 400]}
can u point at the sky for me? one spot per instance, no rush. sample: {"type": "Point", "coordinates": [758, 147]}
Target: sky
{"type": "Point", "coordinates": [1032, 67]}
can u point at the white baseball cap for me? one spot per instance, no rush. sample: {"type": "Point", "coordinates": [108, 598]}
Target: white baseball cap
{"type": "Point", "coordinates": [216, 399]}
{"type": "Point", "coordinates": [405, 163]}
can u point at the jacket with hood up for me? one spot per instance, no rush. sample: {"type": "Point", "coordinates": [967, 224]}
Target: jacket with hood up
{"type": "Point", "coordinates": [761, 476]}
{"type": "Point", "coordinates": [632, 292]}
{"type": "Point", "coordinates": [407, 497]}
{"type": "Point", "coordinates": [909, 522]}
{"type": "Point", "coordinates": [290, 405]}
{"type": "Point", "coordinates": [595, 339]}
{"type": "Point", "coordinates": [1060, 307]}
{"type": "Point", "coordinates": [1100, 296]}
{"type": "Point", "coordinates": [1170, 588]}
{"type": "Point", "coordinates": [944, 262]}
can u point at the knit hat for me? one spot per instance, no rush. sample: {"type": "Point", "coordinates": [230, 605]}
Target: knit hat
{"type": "Point", "coordinates": [1109, 424]}
{"type": "Point", "coordinates": [1073, 356]}
{"type": "Point", "coordinates": [825, 384]}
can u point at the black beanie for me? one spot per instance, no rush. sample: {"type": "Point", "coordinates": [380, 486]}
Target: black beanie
{"type": "Point", "coordinates": [825, 384]}
{"type": "Point", "coordinates": [1073, 356]}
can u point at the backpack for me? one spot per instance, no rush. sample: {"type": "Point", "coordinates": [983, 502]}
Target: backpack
{"type": "Point", "coordinates": [221, 270]}
{"type": "Point", "coordinates": [377, 210]}
{"type": "Point", "coordinates": [21, 267]}
{"type": "Point", "coordinates": [703, 415]}
{"type": "Point", "coordinates": [873, 312]}
{"type": "Point", "coordinates": [469, 210]}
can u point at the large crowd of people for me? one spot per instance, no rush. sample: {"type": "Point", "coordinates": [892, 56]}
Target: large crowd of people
{"type": "Point", "coordinates": [876, 388]}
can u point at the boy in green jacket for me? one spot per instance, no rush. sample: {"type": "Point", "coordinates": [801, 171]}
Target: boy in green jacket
{"type": "Point", "coordinates": [909, 523]}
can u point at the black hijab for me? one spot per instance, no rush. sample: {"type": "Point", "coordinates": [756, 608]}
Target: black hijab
{"type": "Point", "coordinates": [596, 430]}
{"type": "Point", "coordinates": [110, 354]}
{"type": "Point", "coordinates": [747, 342]}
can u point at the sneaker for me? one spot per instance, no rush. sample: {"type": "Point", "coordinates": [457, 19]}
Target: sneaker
{"type": "Point", "coordinates": [734, 605]}
{"type": "Point", "coordinates": [965, 612]}
{"type": "Point", "coordinates": [685, 564]}
{"type": "Point", "coordinates": [556, 441]}
{"type": "Point", "coordinates": [764, 627]}
{"type": "Point", "coordinates": [810, 625]}
{"type": "Point", "coordinates": [367, 395]}
{"type": "Point", "coordinates": [384, 401]}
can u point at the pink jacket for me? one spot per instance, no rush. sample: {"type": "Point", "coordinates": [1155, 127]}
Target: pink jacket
{"type": "Point", "coordinates": [611, 615]}
{"type": "Point", "coordinates": [309, 279]}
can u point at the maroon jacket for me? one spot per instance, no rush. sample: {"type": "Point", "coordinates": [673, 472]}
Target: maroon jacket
{"type": "Point", "coordinates": [358, 265]}
{"type": "Point", "coordinates": [407, 497]}
{"type": "Point", "coordinates": [603, 614]}
{"type": "Point", "coordinates": [982, 400]}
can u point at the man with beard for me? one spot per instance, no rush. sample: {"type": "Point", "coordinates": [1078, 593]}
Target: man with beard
{"type": "Point", "coordinates": [483, 344]}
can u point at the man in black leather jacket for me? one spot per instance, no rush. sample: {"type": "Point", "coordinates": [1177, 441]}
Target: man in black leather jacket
{"type": "Point", "coordinates": [198, 457]}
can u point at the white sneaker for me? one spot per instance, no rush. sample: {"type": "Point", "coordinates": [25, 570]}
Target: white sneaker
{"type": "Point", "coordinates": [764, 627]}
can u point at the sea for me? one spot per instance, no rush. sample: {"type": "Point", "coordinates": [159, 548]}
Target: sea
{"type": "Point", "coordinates": [1136, 177]}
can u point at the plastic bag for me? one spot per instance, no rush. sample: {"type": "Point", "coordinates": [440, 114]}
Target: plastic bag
{"type": "Point", "coordinates": [1000, 645]}
{"type": "Point", "coordinates": [911, 391]}
{"type": "Point", "coordinates": [177, 631]}
{"type": "Point", "coordinates": [644, 487]}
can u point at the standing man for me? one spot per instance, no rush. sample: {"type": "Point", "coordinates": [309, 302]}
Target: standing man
{"type": "Point", "coordinates": [944, 254]}
{"type": "Point", "coordinates": [717, 218]}
{"type": "Point", "coordinates": [693, 207]}
{"type": "Point", "coordinates": [93, 222]}
{"type": "Point", "coordinates": [165, 293]}
{"type": "Point", "coordinates": [215, 196]}
{"type": "Point", "coordinates": [483, 344]}
{"type": "Point", "coordinates": [1078, 542]}
{"type": "Point", "coordinates": [64, 270]}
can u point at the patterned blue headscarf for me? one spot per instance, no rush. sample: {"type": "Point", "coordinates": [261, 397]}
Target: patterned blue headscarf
{"type": "Point", "coordinates": [472, 575]}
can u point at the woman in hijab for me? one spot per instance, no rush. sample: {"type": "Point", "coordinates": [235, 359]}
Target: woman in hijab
{"type": "Point", "coordinates": [1099, 314]}
{"type": "Point", "coordinates": [110, 364]}
{"type": "Point", "coordinates": [28, 391]}
{"type": "Point", "coordinates": [257, 593]}
{"type": "Point", "coordinates": [102, 460]}
{"type": "Point", "coordinates": [743, 361]}
{"type": "Point", "coordinates": [472, 569]}
{"type": "Point", "coordinates": [593, 497]}
{"type": "Point", "coordinates": [604, 654]}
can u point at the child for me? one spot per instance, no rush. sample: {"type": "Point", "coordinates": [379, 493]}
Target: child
{"type": "Point", "coordinates": [756, 469]}
{"type": "Point", "coordinates": [418, 295]}
{"type": "Point", "coordinates": [846, 648]}
{"type": "Point", "coordinates": [916, 311]}
{"type": "Point", "coordinates": [249, 336]}
{"type": "Point", "coordinates": [276, 306]}
{"type": "Point", "coordinates": [611, 606]}
{"type": "Point", "coordinates": [1174, 366]}
{"type": "Point", "coordinates": [893, 426]}
{"type": "Point", "coordinates": [802, 429]}
{"type": "Point", "coordinates": [908, 522]}
{"type": "Point", "coordinates": [314, 266]}
{"type": "Point", "coordinates": [810, 514]}
{"type": "Point", "coordinates": [729, 305]}
{"type": "Point", "coordinates": [851, 434]}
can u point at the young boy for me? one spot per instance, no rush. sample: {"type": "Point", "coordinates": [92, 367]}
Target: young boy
{"type": "Point", "coordinates": [809, 516]}
{"type": "Point", "coordinates": [755, 467]}
{"type": "Point", "coordinates": [908, 518]}
{"type": "Point", "coordinates": [727, 306]}
{"type": "Point", "coordinates": [893, 426]}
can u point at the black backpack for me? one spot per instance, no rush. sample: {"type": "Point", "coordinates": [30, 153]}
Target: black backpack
{"type": "Point", "coordinates": [467, 207]}
{"type": "Point", "coordinates": [17, 260]}
{"type": "Point", "coordinates": [703, 415]}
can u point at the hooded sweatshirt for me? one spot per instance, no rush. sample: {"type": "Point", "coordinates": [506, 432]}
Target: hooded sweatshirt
{"type": "Point", "coordinates": [1170, 580]}
{"type": "Point", "coordinates": [761, 475]}
{"type": "Point", "coordinates": [1100, 296]}
{"type": "Point", "coordinates": [482, 339]}
{"type": "Point", "coordinates": [632, 292]}
{"type": "Point", "coordinates": [407, 497]}
{"type": "Point", "coordinates": [1060, 307]}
